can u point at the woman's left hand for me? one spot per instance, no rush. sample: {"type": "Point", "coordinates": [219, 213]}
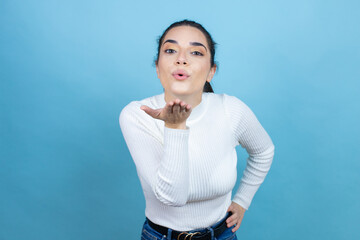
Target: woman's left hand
{"type": "Point", "coordinates": [236, 217]}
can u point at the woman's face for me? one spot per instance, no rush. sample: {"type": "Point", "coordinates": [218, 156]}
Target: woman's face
{"type": "Point", "coordinates": [184, 62]}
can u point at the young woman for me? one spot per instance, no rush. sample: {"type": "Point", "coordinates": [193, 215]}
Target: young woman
{"type": "Point", "coordinates": [183, 144]}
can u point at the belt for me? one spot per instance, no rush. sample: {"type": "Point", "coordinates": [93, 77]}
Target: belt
{"type": "Point", "coordinates": [218, 230]}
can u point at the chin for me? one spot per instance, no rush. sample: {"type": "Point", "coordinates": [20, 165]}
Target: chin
{"type": "Point", "coordinates": [180, 93]}
{"type": "Point", "coordinates": [180, 90]}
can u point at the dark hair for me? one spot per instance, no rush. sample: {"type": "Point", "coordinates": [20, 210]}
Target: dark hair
{"type": "Point", "coordinates": [210, 42]}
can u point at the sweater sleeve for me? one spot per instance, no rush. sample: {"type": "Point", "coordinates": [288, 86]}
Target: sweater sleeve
{"type": "Point", "coordinates": [163, 167]}
{"type": "Point", "coordinates": [250, 135]}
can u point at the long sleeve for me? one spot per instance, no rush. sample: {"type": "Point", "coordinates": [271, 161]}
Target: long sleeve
{"type": "Point", "coordinates": [162, 163]}
{"type": "Point", "coordinates": [249, 133]}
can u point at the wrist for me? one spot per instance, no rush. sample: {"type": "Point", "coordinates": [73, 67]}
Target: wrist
{"type": "Point", "coordinates": [176, 126]}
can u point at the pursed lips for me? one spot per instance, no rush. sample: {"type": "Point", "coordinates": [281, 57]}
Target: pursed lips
{"type": "Point", "coordinates": [180, 74]}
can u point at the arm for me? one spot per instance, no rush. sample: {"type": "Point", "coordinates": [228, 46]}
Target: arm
{"type": "Point", "coordinates": [161, 166]}
{"type": "Point", "coordinates": [249, 133]}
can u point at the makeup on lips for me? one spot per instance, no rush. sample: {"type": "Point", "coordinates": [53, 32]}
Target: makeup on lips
{"type": "Point", "coordinates": [180, 75]}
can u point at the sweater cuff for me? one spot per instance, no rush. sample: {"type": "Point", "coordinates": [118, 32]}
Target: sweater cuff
{"type": "Point", "coordinates": [245, 194]}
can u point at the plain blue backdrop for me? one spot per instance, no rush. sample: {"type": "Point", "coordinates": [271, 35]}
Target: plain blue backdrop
{"type": "Point", "coordinates": [67, 68]}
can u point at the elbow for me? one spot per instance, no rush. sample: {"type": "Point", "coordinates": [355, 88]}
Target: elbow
{"type": "Point", "coordinates": [172, 191]}
{"type": "Point", "coordinates": [266, 154]}
{"type": "Point", "coordinates": [269, 154]}
{"type": "Point", "coordinates": [171, 199]}
{"type": "Point", "coordinates": [262, 161]}
{"type": "Point", "coordinates": [271, 150]}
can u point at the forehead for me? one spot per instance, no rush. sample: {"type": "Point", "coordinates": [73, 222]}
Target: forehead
{"type": "Point", "coordinates": [186, 34]}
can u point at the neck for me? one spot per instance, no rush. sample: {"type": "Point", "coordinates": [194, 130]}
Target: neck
{"type": "Point", "coordinates": [193, 100]}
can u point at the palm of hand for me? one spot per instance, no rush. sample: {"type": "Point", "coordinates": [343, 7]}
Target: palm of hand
{"type": "Point", "coordinates": [173, 113]}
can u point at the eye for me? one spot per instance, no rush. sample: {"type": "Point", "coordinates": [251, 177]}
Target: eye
{"type": "Point", "coordinates": [197, 53]}
{"type": "Point", "coordinates": [169, 50]}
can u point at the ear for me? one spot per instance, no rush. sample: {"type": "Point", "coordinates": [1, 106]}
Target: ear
{"type": "Point", "coordinates": [157, 70]}
{"type": "Point", "coordinates": [211, 73]}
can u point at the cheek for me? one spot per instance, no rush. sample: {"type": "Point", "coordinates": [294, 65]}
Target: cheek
{"type": "Point", "coordinates": [163, 65]}
{"type": "Point", "coordinates": [160, 69]}
{"type": "Point", "coordinates": [204, 69]}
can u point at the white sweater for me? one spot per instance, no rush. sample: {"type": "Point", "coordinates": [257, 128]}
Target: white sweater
{"type": "Point", "coordinates": [187, 175]}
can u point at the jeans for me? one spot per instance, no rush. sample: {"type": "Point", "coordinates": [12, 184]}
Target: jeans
{"type": "Point", "coordinates": [149, 233]}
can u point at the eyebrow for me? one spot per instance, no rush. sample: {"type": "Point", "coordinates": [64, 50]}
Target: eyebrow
{"type": "Point", "coordinates": [191, 43]}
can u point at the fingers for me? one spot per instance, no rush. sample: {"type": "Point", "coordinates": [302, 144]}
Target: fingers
{"type": "Point", "coordinates": [177, 106]}
{"type": "Point", "coordinates": [236, 217]}
{"type": "Point", "coordinates": [152, 112]}
{"type": "Point", "coordinates": [186, 107]}
{"type": "Point", "coordinates": [174, 111]}
{"type": "Point", "coordinates": [168, 107]}
{"type": "Point", "coordinates": [236, 227]}
{"type": "Point", "coordinates": [238, 222]}
{"type": "Point", "coordinates": [182, 106]}
{"type": "Point", "coordinates": [231, 221]}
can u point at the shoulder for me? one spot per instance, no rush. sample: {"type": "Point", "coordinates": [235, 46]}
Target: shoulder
{"type": "Point", "coordinates": [227, 101]}
{"type": "Point", "coordinates": [235, 109]}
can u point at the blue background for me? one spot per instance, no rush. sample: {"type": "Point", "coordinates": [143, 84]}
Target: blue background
{"type": "Point", "coordinates": [67, 68]}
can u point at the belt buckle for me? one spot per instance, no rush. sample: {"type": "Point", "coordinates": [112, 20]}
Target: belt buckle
{"type": "Point", "coordinates": [187, 235]}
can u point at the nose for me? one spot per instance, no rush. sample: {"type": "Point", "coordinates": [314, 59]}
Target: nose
{"type": "Point", "coordinates": [181, 60]}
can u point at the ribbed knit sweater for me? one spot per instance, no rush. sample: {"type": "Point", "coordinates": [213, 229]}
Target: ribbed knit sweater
{"type": "Point", "coordinates": [187, 175]}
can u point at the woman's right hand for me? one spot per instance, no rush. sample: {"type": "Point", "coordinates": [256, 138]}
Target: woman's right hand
{"type": "Point", "coordinates": [174, 113]}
